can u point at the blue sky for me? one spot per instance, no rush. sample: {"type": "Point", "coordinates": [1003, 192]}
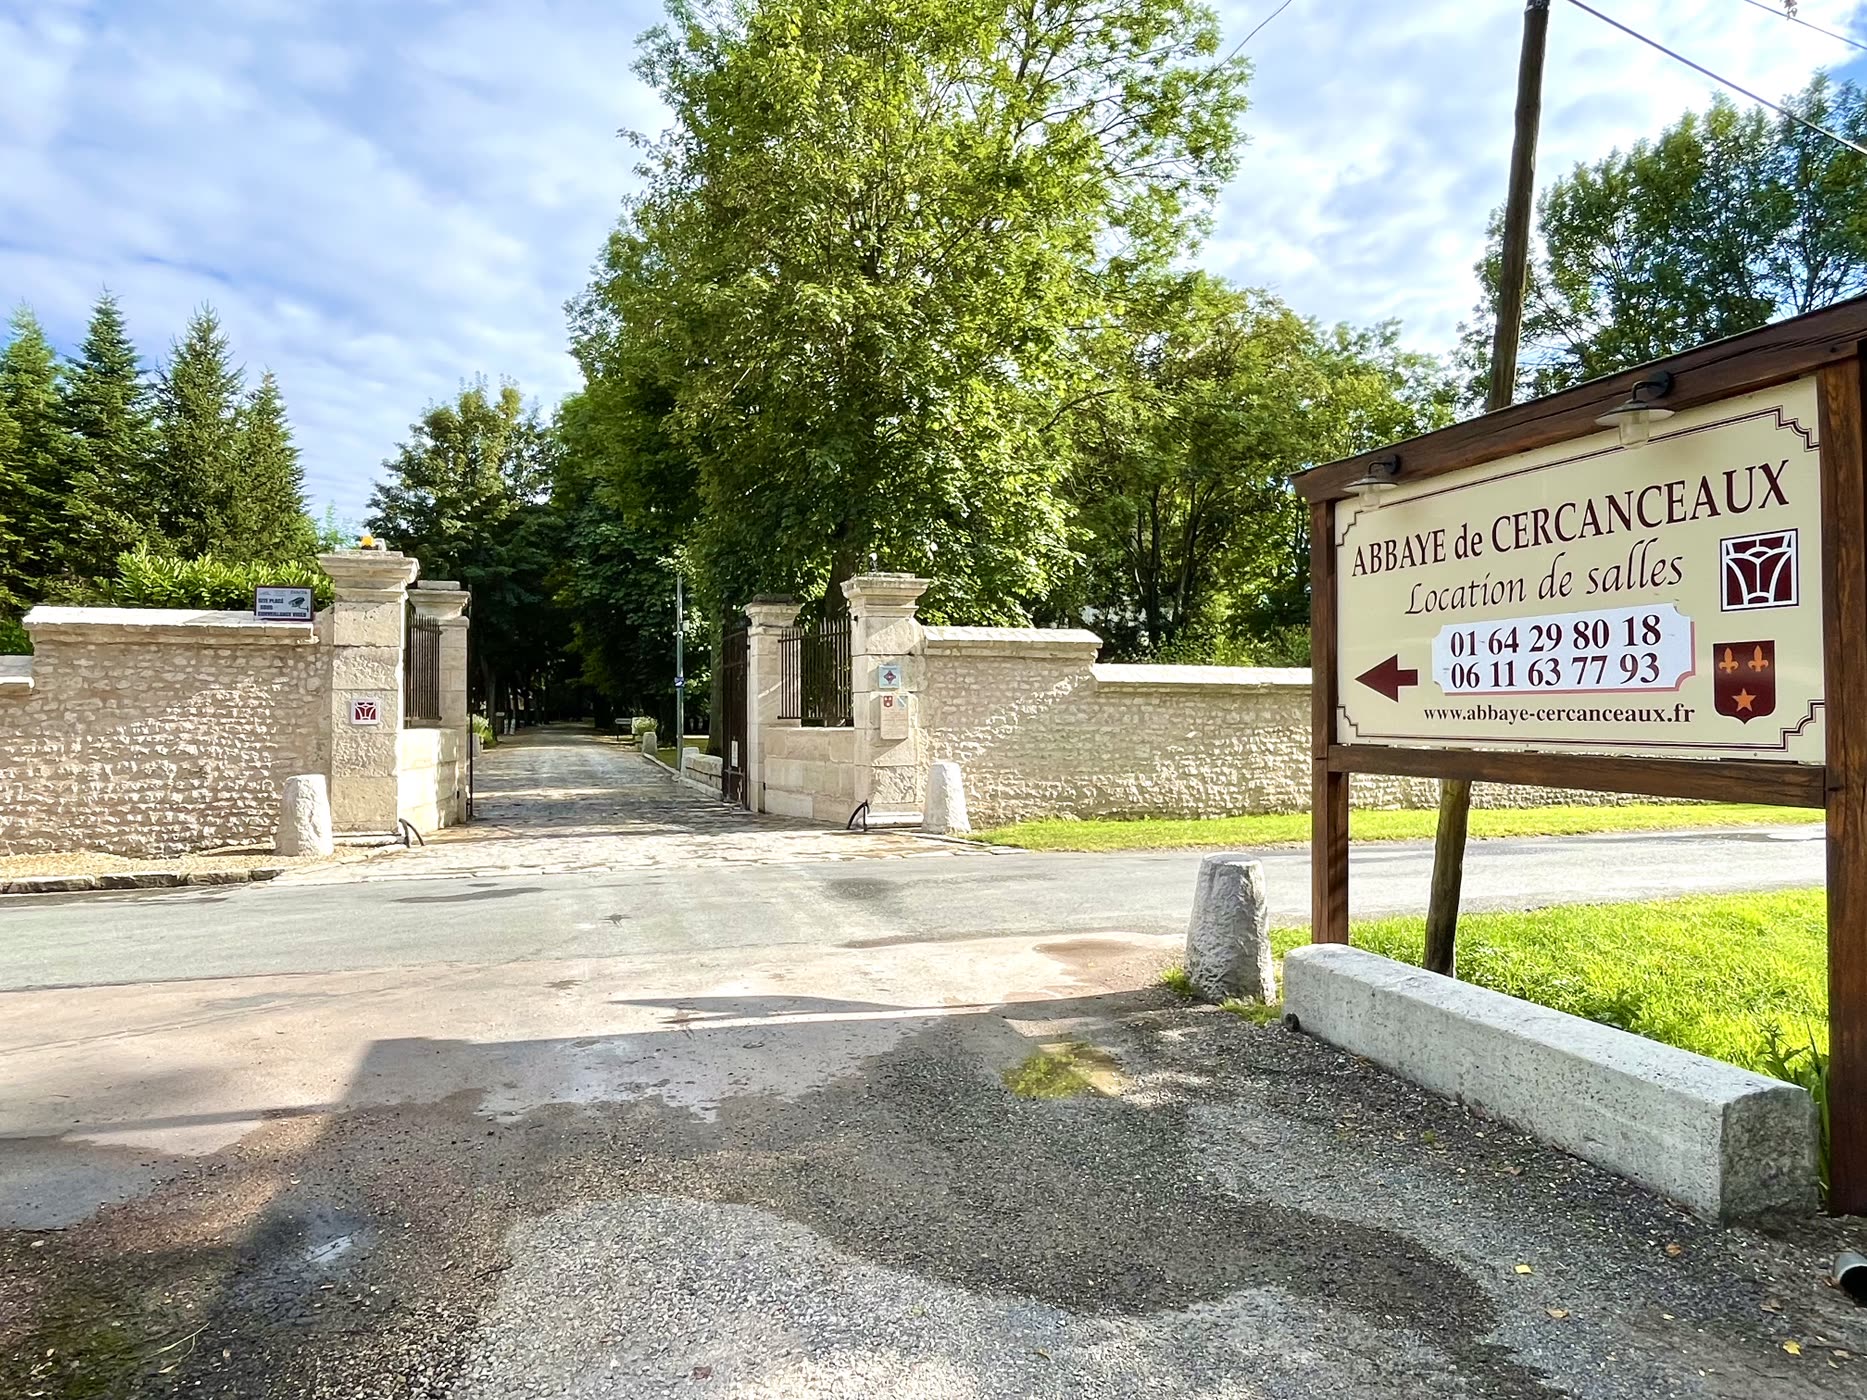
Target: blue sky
{"type": "Point", "coordinates": [385, 199]}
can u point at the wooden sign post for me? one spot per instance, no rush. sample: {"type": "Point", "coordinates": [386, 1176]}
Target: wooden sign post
{"type": "Point", "coordinates": [1673, 608]}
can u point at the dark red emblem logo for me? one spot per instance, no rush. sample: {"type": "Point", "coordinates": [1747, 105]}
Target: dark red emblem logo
{"type": "Point", "coordinates": [1760, 571]}
{"type": "Point", "coordinates": [1743, 679]}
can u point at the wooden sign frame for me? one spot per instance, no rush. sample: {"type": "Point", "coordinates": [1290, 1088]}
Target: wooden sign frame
{"type": "Point", "coordinates": [1828, 345]}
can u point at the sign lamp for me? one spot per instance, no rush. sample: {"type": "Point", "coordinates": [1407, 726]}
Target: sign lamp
{"type": "Point", "coordinates": [1379, 477]}
{"type": "Point", "coordinates": [1634, 419]}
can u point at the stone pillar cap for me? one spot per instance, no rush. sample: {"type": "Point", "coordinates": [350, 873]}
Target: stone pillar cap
{"type": "Point", "coordinates": [439, 604]}
{"type": "Point", "coordinates": [767, 611]}
{"type": "Point", "coordinates": [900, 589]}
{"type": "Point", "coordinates": [369, 570]}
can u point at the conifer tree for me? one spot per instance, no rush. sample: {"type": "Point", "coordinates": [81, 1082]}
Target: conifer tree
{"type": "Point", "coordinates": [12, 498]}
{"type": "Point", "coordinates": [266, 515]}
{"type": "Point", "coordinates": [29, 390]}
{"type": "Point", "coordinates": [198, 437]}
{"type": "Point", "coordinates": [106, 414]}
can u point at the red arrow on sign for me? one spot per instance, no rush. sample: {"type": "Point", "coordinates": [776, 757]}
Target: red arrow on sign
{"type": "Point", "coordinates": [1388, 679]}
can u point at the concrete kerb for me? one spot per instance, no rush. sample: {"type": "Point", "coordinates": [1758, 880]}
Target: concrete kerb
{"type": "Point", "coordinates": [117, 881]}
{"type": "Point", "coordinates": [1724, 1142]}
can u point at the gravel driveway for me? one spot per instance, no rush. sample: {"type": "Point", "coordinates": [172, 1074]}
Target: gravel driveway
{"type": "Point", "coordinates": [1241, 1212]}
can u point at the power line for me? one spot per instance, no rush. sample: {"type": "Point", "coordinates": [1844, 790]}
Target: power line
{"type": "Point", "coordinates": [1716, 78]}
{"type": "Point", "coordinates": [1256, 27]}
{"type": "Point", "coordinates": [1798, 19]}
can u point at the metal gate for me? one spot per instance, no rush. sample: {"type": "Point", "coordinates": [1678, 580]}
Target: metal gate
{"type": "Point", "coordinates": [732, 701]}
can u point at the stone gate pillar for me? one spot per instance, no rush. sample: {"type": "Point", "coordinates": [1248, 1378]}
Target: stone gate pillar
{"type": "Point", "coordinates": [444, 603]}
{"type": "Point", "coordinates": [766, 620]}
{"type": "Point", "coordinates": [366, 631]}
{"type": "Point", "coordinates": [882, 629]}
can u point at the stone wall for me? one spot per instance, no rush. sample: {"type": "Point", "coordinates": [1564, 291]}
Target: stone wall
{"type": "Point", "coordinates": [703, 768]}
{"type": "Point", "coordinates": [809, 773]}
{"type": "Point", "coordinates": [151, 732]}
{"type": "Point", "coordinates": [431, 773]}
{"type": "Point", "coordinates": [1039, 729]}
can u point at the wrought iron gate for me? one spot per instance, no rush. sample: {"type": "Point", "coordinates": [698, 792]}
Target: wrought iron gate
{"type": "Point", "coordinates": [731, 698]}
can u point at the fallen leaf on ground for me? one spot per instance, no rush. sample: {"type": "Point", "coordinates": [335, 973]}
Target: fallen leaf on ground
{"type": "Point", "coordinates": [1525, 1269]}
{"type": "Point", "coordinates": [1675, 1250]}
{"type": "Point", "coordinates": [1772, 1305]}
{"type": "Point", "coordinates": [1793, 1348]}
{"type": "Point", "coordinates": [1557, 1313]}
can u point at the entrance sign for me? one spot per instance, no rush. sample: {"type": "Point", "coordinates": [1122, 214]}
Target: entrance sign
{"type": "Point", "coordinates": [1659, 600]}
{"type": "Point", "coordinates": [282, 604]}
{"type": "Point", "coordinates": [1529, 601]}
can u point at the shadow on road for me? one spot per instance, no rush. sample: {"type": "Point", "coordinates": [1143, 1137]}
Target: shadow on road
{"type": "Point", "coordinates": [329, 1252]}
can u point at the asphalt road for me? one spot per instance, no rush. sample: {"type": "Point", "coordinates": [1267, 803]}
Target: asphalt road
{"type": "Point", "coordinates": [733, 1116]}
{"type": "Point", "coordinates": [95, 940]}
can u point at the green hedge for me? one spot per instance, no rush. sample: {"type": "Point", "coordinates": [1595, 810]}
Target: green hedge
{"type": "Point", "coordinates": [147, 580]}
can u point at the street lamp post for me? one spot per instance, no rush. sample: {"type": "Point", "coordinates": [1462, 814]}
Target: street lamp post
{"type": "Point", "coordinates": [680, 669]}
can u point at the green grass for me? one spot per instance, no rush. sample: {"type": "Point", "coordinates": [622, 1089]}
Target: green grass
{"type": "Point", "coordinates": [1293, 828]}
{"type": "Point", "coordinates": [1178, 981]}
{"type": "Point", "coordinates": [1050, 1074]}
{"type": "Point", "coordinates": [1719, 975]}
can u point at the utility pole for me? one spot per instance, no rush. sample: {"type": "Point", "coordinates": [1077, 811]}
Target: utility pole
{"type": "Point", "coordinates": [1455, 797]}
{"type": "Point", "coordinates": [680, 669]}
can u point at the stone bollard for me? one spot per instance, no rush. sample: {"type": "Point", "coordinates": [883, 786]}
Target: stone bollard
{"type": "Point", "coordinates": [647, 743]}
{"type": "Point", "coordinates": [1228, 941]}
{"type": "Point", "coordinates": [946, 800]}
{"type": "Point", "coordinates": [304, 817]}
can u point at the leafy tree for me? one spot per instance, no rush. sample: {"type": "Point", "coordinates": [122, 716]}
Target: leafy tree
{"type": "Point", "coordinates": [466, 495]}
{"type": "Point", "coordinates": [1725, 221]}
{"type": "Point", "coordinates": [862, 258]}
{"type": "Point", "coordinates": [198, 402]}
{"type": "Point", "coordinates": [111, 437]}
{"type": "Point", "coordinates": [330, 534]}
{"type": "Point", "coordinates": [39, 460]}
{"type": "Point", "coordinates": [616, 576]}
{"type": "Point", "coordinates": [266, 517]}
{"type": "Point", "coordinates": [1195, 546]}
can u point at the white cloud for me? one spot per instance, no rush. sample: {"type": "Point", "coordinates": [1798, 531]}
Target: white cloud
{"type": "Point", "coordinates": [1381, 141]}
{"type": "Point", "coordinates": [380, 204]}
{"type": "Point", "coordinates": [383, 200]}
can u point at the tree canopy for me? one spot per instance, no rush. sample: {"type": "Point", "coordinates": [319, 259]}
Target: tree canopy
{"type": "Point", "coordinates": [1193, 545]}
{"type": "Point", "coordinates": [852, 286]}
{"type": "Point", "coordinates": [1727, 220]}
{"type": "Point", "coordinates": [466, 493]}
{"type": "Point", "coordinates": [101, 462]}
